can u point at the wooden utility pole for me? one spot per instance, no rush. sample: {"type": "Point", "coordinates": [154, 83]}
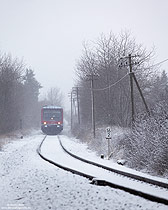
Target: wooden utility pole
{"type": "Point", "coordinates": [132, 88]}
{"type": "Point", "coordinates": [78, 106]}
{"type": "Point", "coordinates": [93, 105]}
{"type": "Point", "coordinates": [132, 77]}
{"type": "Point", "coordinates": [75, 109]}
{"type": "Point", "coordinates": [71, 111]}
{"type": "Point", "coordinates": [140, 91]}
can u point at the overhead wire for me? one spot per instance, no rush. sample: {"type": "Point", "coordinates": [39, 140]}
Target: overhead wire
{"type": "Point", "coordinates": [156, 64]}
{"type": "Point", "coordinates": [159, 63]}
{"type": "Point", "coordinates": [112, 84]}
{"type": "Point", "coordinates": [99, 89]}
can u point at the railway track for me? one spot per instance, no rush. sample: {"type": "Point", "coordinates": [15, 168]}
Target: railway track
{"type": "Point", "coordinates": [52, 150]}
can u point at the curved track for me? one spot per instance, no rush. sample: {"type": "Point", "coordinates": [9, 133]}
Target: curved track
{"type": "Point", "coordinates": [53, 151]}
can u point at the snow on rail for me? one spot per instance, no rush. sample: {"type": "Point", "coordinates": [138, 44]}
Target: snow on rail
{"type": "Point", "coordinates": [90, 157]}
{"type": "Point", "coordinates": [51, 149]}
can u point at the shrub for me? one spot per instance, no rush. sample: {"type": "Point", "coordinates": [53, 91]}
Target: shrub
{"type": "Point", "coordinates": [146, 147]}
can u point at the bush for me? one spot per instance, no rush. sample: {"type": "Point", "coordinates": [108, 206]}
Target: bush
{"type": "Point", "coordinates": [100, 143]}
{"type": "Point", "coordinates": [146, 147]}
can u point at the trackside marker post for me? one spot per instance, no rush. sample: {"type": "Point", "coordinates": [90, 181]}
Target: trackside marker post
{"type": "Point", "coordinates": [108, 137]}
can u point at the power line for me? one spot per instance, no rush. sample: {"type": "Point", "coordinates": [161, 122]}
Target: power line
{"type": "Point", "coordinates": [112, 84]}
{"type": "Point", "coordinates": [159, 63]}
{"type": "Point", "coordinates": [156, 64]}
{"type": "Point", "coordinates": [99, 89]}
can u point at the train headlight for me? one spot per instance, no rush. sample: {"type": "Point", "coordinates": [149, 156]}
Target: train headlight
{"type": "Point", "coordinates": [45, 123]}
{"type": "Point", "coordinates": [59, 123]}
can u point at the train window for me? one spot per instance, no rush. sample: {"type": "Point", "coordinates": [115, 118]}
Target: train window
{"type": "Point", "coordinates": [55, 115]}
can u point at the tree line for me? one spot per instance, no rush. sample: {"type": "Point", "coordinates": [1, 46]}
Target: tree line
{"type": "Point", "coordinates": [19, 91]}
{"type": "Point", "coordinates": [103, 70]}
{"type": "Point", "coordinates": [19, 96]}
{"type": "Point", "coordinates": [106, 62]}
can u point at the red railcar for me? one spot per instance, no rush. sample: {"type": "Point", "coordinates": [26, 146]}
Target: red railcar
{"type": "Point", "coordinates": [51, 119]}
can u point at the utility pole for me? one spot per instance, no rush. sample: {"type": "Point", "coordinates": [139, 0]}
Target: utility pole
{"type": "Point", "coordinates": [71, 111]}
{"type": "Point", "coordinates": [133, 77]}
{"type": "Point", "coordinates": [75, 109]}
{"type": "Point", "coordinates": [129, 64]}
{"type": "Point", "coordinates": [141, 94]}
{"type": "Point", "coordinates": [132, 87]}
{"type": "Point", "coordinates": [78, 107]}
{"type": "Point", "coordinates": [93, 105]}
{"type": "Point", "coordinates": [91, 79]}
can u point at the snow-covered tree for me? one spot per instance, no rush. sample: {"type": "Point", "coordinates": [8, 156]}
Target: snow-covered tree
{"type": "Point", "coordinates": [31, 89]}
{"type": "Point", "coordinates": [10, 88]}
{"type": "Point", "coordinates": [101, 59]}
{"type": "Point", "coordinates": [146, 147]}
{"type": "Point", "coordinates": [18, 95]}
{"type": "Point", "coordinates": [159, 89]}
{"type": "Point", "coordinates": [54, 97]}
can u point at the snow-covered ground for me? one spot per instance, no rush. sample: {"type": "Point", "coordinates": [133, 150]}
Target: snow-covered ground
{"type": "Point", "coordinates": [81, 149]}
{"type": "Point", "coordinates": [28, 182]}
{"type": "Point", "coordinates": [52, 150]}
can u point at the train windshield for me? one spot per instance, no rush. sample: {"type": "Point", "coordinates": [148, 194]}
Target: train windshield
{"type": "Point", "coordinates": [52, 114]}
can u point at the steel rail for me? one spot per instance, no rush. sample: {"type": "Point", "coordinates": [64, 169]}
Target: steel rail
{"type": "Point", "coordinates": [133, 176]}
{"type": "Point", "coordinates": [61, 166]}
{"type": "Point", "coordinates": [99, 181]}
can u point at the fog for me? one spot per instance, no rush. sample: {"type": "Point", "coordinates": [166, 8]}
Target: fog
{"type": "Point", "coordinates": [48, 34]}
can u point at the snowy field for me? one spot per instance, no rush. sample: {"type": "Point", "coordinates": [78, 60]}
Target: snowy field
{"type": "Point", "coordinates": [28, 182]}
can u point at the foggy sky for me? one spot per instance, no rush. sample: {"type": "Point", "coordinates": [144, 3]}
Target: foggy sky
{"type": "Point", "coordinates": [48, 34]}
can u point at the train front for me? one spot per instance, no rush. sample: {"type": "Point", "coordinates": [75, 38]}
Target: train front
{"type": "Point", "coordinates": [51, 120]}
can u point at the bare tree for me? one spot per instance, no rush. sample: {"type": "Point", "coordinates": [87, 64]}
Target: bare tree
{"type": "Point", "coordinates": [10, 83]}
{"type": "Point", "coordinates": [31, 89]}
{"type": "Point", "coordinates": [18, 93]}
{"type": "Point", "coordinates": [53, 97]}
{"type": "Point", "coordinates": [102, 57]}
